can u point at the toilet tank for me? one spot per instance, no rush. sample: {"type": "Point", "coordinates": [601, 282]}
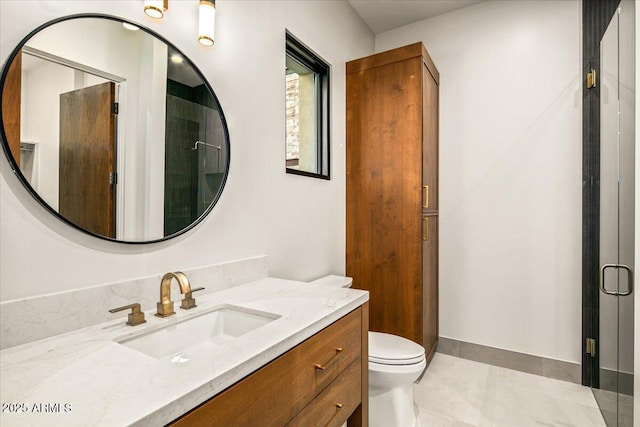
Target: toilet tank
{"type": "Point", "coordinates": [334, 280]}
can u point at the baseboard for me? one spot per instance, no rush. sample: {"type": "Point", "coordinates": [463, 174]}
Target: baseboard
{"type": "Point", "coordinates": [621, 382]}
{"type": "Point", "coordinates": [546, 367]}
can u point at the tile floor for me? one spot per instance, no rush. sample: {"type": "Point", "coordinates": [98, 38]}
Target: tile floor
{"type": "Point", "coordinates": [457, 392]}
{"type": "Point", "coordinates": [610, 403]}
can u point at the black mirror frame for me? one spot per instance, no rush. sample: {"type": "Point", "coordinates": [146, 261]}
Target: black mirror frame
{"type": "Point", "coordinates": [16, 167]}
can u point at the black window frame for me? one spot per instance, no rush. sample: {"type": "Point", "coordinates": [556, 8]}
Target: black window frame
{"type": "Point", "coordinates": [302, 54]}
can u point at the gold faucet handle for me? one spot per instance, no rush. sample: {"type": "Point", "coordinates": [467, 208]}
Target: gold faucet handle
{"type": "Point", "coordinates": [136, 317]}
{"type": "Point", "coordinates": [189, 301]}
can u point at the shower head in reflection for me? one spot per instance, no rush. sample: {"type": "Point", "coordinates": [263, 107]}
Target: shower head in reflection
{"type": "Point", "coordinates": [195, 145]}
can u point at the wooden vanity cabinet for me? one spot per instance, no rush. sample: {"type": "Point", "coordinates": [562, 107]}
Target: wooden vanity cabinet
{"type": "Point", "coordinates": [392, 190]}
{"type": "Point", "coordinates": [322, 381]}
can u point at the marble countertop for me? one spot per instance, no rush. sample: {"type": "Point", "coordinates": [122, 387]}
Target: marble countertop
{"type": "Point", "coordinates": [86, 378]}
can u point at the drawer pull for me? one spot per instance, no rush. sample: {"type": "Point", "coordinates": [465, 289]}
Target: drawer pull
{"type": "Point", "coordinates": [339, 351]}
{"type": "Point", "coordinates": [339, 408]}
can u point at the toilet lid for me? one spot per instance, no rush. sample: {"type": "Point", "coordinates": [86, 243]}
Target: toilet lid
{"type": "Point", "coordinates": [390, 349]}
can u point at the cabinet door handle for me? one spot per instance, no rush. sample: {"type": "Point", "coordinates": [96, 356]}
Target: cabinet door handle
{"type": "Point", "coordinates": [339, 408]}
{"type": "Point", "coordinates": [425, 202]}
{"type": "Point", "coordinates": [335, 358]}
{"type": "Point", "coordinates": [425, 233]}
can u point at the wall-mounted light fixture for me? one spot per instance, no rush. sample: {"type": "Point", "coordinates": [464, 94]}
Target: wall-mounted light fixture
{"type": "Point", "coordinates": [156, 8]}
{"type": "Point", "coordinates": [207, 14]}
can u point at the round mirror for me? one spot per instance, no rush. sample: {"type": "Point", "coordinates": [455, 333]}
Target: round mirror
{"type": "Point", "coordinates": [112, 129]}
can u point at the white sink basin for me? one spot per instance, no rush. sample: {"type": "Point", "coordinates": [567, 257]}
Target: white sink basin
{"type": "Point", "coordinates": [212, 328]}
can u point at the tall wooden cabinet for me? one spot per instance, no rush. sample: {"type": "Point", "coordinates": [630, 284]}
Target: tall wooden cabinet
{"type": "Point", "coordinates": [392, 190]}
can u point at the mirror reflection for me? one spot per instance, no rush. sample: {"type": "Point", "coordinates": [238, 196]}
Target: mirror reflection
{"type": "Point", "coordinates": [114, 130]}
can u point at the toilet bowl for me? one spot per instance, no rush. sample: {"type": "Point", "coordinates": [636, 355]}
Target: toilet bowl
{"type": "Point", "coordinates": [394, 364]}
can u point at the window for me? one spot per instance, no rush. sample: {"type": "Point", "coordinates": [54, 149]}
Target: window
{"type": "Point", "coordinates": [307, 111]}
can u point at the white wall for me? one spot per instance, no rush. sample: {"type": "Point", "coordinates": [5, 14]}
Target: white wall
{"type": "Point", "coordinates": [636, 377]}
{"type": "Point", "coordinates": [151, 132]}
{"type": "Point", "coordinates": [510, 172]}
{"type": "Point", "coordinates": [41, 98]}
{"type": "Point", "coordinates": [297, 222]}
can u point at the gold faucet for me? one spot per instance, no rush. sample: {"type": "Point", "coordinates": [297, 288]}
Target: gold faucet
{"type": "Point", "coordinates": [165, 306]}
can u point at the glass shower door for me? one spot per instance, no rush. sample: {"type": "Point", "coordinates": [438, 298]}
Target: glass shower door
{"type": "Point", "coordinates": [617, 175]}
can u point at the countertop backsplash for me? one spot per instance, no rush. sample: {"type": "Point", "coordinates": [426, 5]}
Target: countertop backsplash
{"type": "Point", "coordinates": [34, 318]}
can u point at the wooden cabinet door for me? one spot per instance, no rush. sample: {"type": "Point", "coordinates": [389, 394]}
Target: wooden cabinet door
{"type": "Point", "coordinates": [430, 142]}
{"type": "Point", "coordinates": [430, 283]}
{"type": "Point", "coordinates": [384, 178]}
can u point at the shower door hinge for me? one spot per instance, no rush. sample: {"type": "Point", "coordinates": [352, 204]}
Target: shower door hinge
{"type": "Point", "coordinates": [591, 347]}
{"type": "Point", "coordinates": [116, 106]}
{"type": "Point", "coordinates": [591, 79]}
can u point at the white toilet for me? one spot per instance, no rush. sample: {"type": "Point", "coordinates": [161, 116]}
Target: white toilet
{"type": "Point", "coordinates": [394, 364]}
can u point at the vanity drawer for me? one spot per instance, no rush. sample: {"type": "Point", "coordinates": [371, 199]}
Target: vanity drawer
{"type": "Point", "coordinates": [333, 406]}
{"type": "Point", "coordinates": [277, 392]}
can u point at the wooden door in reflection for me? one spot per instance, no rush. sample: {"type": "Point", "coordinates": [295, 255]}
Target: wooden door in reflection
{"type": "Point", "coordinates": [87, 158]}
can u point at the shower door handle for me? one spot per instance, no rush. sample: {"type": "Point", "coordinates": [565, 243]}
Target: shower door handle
{"type": "Point", "coordinates": [616, 293]}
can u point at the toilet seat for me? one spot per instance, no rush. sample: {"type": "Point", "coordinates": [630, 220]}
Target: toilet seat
{"type": "Point", "coordinates": [387, 349]}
